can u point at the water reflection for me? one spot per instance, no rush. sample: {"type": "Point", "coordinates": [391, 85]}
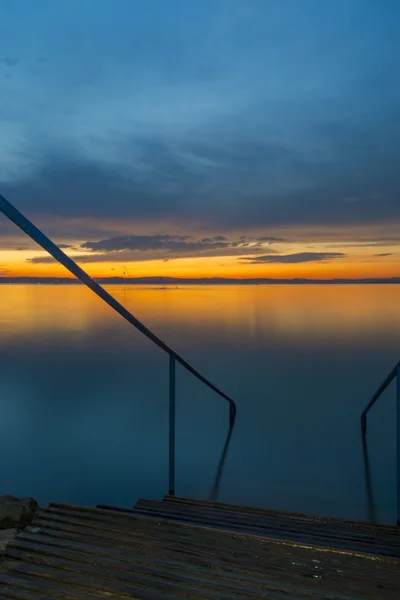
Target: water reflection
{"type": "Point", "coordinates": [369, 489]}
{"type": "Point", "coordinates": [290, 310]}
{"type": "Point", "coordinates": [301, 361]}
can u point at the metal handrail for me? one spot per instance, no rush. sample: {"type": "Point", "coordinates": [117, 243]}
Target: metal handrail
{"type": "Point", "coordinates": [40, 238]}
{"type": "Point", "coordinates": [394, 374]}
{"type": "Point", "coordinates": [376, 396]}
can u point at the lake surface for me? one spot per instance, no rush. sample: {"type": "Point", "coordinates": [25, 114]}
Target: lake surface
{"type": "Point", "coordinates": [84, 396]}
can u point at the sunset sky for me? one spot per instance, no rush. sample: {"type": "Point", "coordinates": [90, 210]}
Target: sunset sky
{"type": "Point", "coordinates": [240, 138]}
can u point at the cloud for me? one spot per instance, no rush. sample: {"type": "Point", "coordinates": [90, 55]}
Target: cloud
{"type": "Point", "coordinates": [9, 61]}
{"type": "Point", "coordinates": [384, 254]}
{"type": "Point", "coordinates": [372, 243]}
{"type": "Point", "coordinates": [156, 126]}
{"type": "Point", "coordinates": [270, 239]}
{"type": "Point", "coordinates": [166, 246]}
{"type": "Point", "coordinates": [3, 271]}
{"type": "Point", "coordinates": [24, 248]}
{"type": "Point", "coordinates": [299, 257]}
{"type": "Point", "coordinates": [254, 185]}
{"type": "Point", "coordinates": [140, 242]}
{"type": "Point", "coordinates": [175, 243]}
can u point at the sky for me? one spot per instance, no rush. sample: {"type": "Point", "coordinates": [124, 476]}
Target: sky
{"type": "Point", "coordinates": [239, 138]}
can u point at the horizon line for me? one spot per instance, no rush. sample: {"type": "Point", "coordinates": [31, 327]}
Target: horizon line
{"type": "Point", "coordinates": [194, 280]}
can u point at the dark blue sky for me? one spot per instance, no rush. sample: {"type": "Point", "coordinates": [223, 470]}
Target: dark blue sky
{"type": "Point", "coordinates": [123, 117]}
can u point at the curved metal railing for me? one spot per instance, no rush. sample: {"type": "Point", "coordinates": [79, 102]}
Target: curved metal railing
{"type": "Point", "coordinates": [376, 396]}
{"type": "Point", "coordinates": [40, 238]}
{"type": "Point", "coordinates": [394, 374]}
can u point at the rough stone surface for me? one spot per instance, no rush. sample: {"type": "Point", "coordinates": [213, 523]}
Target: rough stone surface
{"type": "Point", "coordinates": [6, 536]}
{"type": "Point", "coordinates": [16, 512]}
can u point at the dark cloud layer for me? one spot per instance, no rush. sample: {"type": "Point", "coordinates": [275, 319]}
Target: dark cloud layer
{"type": "Point", "coordinates": [254, 186]}
{"type": "Point", "coordinates": [171, 243]}
{"type": "Point", "coordinates": [286, 118]}
{"type": "Point", "coordinates": [151, 247]}
{"type": "Point", "coordinates": [175, 243]}
{"type": "Point", "coordinates": [299, 257]}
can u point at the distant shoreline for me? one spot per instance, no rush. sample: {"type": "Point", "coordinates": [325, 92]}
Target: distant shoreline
{"type": "Point", "coordinates": [194, 281]}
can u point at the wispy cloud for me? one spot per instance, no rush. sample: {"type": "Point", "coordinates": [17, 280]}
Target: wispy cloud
{"type": "Point", "coordinates": [176, 243]}
{"type": "Point", "coordinates": [373, 243]}
{"type": "Point", "coordinates": [33, 246]}
{"type": "Point", "coordinates": [299, 257]}
{"type": "Point", "coordinates": [162, 246]}
{"type": "Point", "coordinates": [384, 254]}
{"type": "Point", "coordinates": [9, 61]}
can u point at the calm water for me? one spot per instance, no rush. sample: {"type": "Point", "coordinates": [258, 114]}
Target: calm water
{"type": "Point", "coordinates": [84, 405]}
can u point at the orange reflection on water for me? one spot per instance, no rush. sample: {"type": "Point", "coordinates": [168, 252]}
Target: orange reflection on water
{"type": "Point", "coordinates": [284, 310]}
{"type": "Point", "coordinates": [290, 309]}
{"type": "Point", "coordinates": [38, 307]}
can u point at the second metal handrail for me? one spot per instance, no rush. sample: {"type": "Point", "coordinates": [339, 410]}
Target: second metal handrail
{"type": "Point", "coordinates": [40, 238]}
{"type": "Point", "coordinates": [394, 374]}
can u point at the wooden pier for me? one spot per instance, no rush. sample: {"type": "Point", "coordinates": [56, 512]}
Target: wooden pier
{"type": "Point", "coordinates": [182, 548]}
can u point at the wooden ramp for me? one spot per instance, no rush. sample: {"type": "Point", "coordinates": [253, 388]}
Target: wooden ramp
{"type": "Point", "coordinates": [181, 548]}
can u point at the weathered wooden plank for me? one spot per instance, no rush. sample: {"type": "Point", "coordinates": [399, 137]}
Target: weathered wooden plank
{"type": "Point", "coordinates": [181, 548]}
{"type": "Point", "coordinates": [325, 527]}
{"type": "Point", "coordinates": [120, 589]}
{"type": "Point", "coordinates": [361, 544]}
{"type": "Point", "coordinates": [93, 579]}
{"type": "Point", "coordinates": [264, 550]}
{"type": "Point", "coordinates": [284, 516]}
{"type": "Point", "coordinates": [129, 513]}
{"type": "Point", "coordinates": [121, 586]}
{"type": "Point", "coordinates": [318, 525]}
{"type": "Point", "coordinates": [262, 516]}
{"type": "Point", "coordinates": [230, 561]}
{"type": "Point", "coordinates": [326, 530]}
{"type": "Point", "coordinates": [163, 517]}
{"type": "Point", "coordinates": [388, 545]}
{"type": "Point", "coordinates": [22, 583]}
{"type": "Point", "coordinates": [255, 551]}
{"type": "Point", "coordinates": [305, 567]}
{"type": "Point", "coordinates": [257, 546]}
{"type": "Point", "coordinates": [166, 548]}
{"type": "Point", "coordinates": [215, 573]}
{"type": "Point", "coordinates": [358, 544]}
{"type": "Point", "coordinates": [12, 593]}
{"type": "Point", "coordinates": [206, 582]}
{"type": "Point", "coordinates": [280, 514]}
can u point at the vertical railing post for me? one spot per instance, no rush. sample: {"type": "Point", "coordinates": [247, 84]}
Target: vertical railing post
{"type": "Point", "coordinates": [171, 425]}
{"type": "Point", "coordinates": [398, 442]}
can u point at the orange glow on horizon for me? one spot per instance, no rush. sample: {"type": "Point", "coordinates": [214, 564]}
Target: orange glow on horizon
{"type": "Point", "coordinates": [358, 261]}
{"type": "Point", "coordinates": [361, 265]}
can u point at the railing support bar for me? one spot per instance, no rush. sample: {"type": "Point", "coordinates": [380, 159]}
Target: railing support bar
{"type": "Point", "coordinates": [172, 395]}
{"type": "Point", "coordinates": [398, 443]}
